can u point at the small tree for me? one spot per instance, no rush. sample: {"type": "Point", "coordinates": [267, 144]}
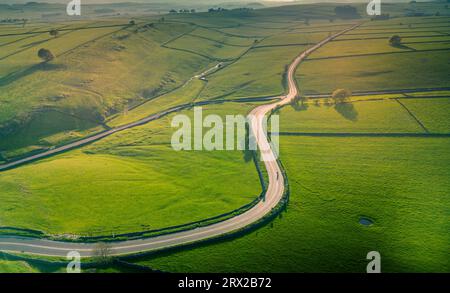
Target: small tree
{"type": "Point", "coordinates": [102, 253]}
{"type": "Point", "coordinates": [45, 55]}
{"type": "Point", "coordinates": [340, 95]}
{"type": "Point", "coordinates": [132, 22]}
{"type": "Point", "coordinates": [54, 33]}
{"type": "Point", "coordinates": [395, 40]}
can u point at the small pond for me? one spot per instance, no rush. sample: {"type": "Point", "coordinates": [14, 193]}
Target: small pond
{"type": "Point", "coordinates": [365, 221]}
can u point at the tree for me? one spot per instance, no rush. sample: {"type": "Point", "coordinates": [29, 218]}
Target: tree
{"type": "Point", "coordinates": [341, 95]}
{"type": "Point", "coordinates": [395, 40]}
{"type": "Point", "coordinates": [102, 253]}
{"type": "Point", "coordinates": [54, 33]}
{"type": "Point", "coordinates": [132, 22]}
{"type": "Point", "coordinates": [45, 55]}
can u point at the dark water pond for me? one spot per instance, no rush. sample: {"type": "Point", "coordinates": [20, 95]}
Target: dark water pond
{"type": "Point", "coordinates": [365, 221]}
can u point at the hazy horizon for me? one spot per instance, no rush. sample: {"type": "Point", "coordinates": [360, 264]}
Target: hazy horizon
{"type": "Point", "coordinates": [142, 1]}
{"type": "Point", "coordinates": [214, 2]}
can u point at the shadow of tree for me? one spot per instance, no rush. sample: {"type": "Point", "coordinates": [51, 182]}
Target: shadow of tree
{"type": "Point", "coordinates": [347, 110]}
{"type": "Point", "coordinates": [14, 76]}
{"type": "Point", "coordinates": [402, 46]}
{"type": "Point", "coordinates": [248, 140]}
{"type": "Point", "coordinates": [247, 155]}
{"type": "Point", "coordinates": [299, 105]}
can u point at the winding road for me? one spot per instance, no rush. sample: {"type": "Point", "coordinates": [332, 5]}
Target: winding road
{"type": "Point", "coordinates": [274, 193]}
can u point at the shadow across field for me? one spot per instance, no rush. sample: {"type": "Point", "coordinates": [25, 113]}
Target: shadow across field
{"type": "Point", "coordinates": [17, 75]}
{"type": "Point", "coordinates": [299, 106]}
{"type": "Point", "coordinates": [402, 46]}
{"type": "Point", "coordinates": [347, 110]}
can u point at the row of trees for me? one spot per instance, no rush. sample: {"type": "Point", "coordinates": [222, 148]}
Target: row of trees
{"type": "Point", "coordinates": [210, 10]}
{"type": "Point", "coordinates": [220, 9]}
{"type": "Point", "coordinates": [338, 96]}
{"type": "Point", "coordinates": [13, 20]}
{"type": "Point", "coordinates": [173, 11]}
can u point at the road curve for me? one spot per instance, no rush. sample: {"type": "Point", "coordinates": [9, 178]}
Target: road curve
{"type": "Point", "coordinates": [274, 194]}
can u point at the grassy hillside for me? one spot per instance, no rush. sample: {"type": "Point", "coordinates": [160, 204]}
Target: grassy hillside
{"type": "Point", "coordinates": [104, 67]}
{"type": "Point", "coordinates": [129, 182]}
{"type": "Point", "coordinates": [96, 73]}
{"type": "Point", "coordinates": [358, 159]}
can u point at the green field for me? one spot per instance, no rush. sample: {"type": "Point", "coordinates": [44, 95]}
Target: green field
{"type": "Point", "coordinates": [86, 84]}
{"type": "Point", "coordinates": [383, 156]}
{"type": "Point", "coordinates": [399, 183]}
{"type": "Point", "coordinates": [349, 48]}
{"type": "Point", "coordinates": [16, 267]}
{"type": "Point", "coordinates": [381, 72]}
{"type": "Point", "coordinates": [258, 73]}
{"type": "Point", "coordinates": [212, 49]}
{"type": "Point", "coordinates": [105, 67]}
{"type": "Point", "coordinates": [219, 37]}
{"type": "Point", "coordinates": [358, 117]}
{"type": "Point", "coordinates": [131, 181]}
{"type": "Point", "coordinates": [363, 59]}
{"type": "Point", "coordinates": [433, 113]}
{"type": "Point", "coordinates": [292, 38]}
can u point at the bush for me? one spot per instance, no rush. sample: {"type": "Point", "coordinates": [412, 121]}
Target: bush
{"type": "Point", "coordinates": [54, 33]}
{"type": "Point", "coordinates": [395, 40]}
{"type": "Point", "coordinates": [341, 95]}
{"type": "Point", "coordinates": [45, 55]}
